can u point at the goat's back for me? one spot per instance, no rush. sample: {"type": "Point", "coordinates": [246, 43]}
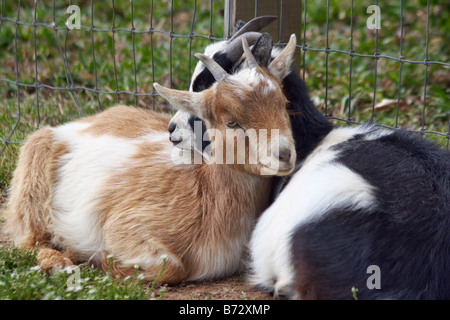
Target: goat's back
{"type": "Point", "coordinates": [363, 198]}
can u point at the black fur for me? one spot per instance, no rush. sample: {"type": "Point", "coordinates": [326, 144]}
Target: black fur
{"type": "Point", "coordinates": [205, 79]}
{"type": "Point", "coordinates": [406, 234]}
{"type": "Point", "coordinates": [309, 126]}
{"type": "Point", "coordinates": [201, 142]}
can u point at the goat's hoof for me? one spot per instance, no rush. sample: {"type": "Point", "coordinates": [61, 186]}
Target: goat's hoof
{"type": "Point", "coordinates": [49, 259]}
{"type": "Point", "coordinates": [283, 293]}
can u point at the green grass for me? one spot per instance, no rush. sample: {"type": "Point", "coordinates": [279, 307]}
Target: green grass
{"type": "Point", "coordinates": [20, 279]}
{"type": "Point", "coordinates": [57, 106]}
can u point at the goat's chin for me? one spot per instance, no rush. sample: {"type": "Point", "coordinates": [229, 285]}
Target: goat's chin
{"type": "Point", "coordinates": [275, 170]}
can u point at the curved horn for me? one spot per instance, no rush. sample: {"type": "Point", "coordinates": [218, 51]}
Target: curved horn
{"type": "Point", "coordinates": [234, 50]}
{"type": "Point", "coordinates": [218, 73]}
{"type": "Point", "coordinates": [255, 24]}
{"type": "Point", "coordinates": [250, 59]}
{"type": "Point", "coordinates": [250, 32]}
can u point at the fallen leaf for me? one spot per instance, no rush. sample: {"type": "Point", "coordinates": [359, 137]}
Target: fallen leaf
{"type": "Point", "coordinates": [385, 103]}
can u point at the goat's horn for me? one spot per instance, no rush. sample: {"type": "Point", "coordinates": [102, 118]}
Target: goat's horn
{"type": "Point", "coordinates": [255, 24]}
{"type": "Point", "coordinates": [218, 73]}
{"type": "Point", "coordinates": [234, 50]}
{"type": "Point", "coordinates": [250, 32]}
{"type": "Point", "coordinates": [249, 58]}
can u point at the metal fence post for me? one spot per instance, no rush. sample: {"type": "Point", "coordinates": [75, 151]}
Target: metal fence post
{"type": "Point", "coordinates": [289, 13]}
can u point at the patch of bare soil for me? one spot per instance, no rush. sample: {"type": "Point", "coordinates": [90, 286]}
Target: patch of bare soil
{"type": "Point", "coordinates": [233, 288]}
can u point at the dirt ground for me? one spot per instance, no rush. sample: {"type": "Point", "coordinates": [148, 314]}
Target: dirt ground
{"type": "Point", "coordinates": [233, 288]}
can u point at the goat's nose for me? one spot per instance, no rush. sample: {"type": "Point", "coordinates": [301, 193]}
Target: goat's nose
{"type": "Point", "coordinates": [284, 154]}
{"type": "Point", "coordinates": [172, 127]}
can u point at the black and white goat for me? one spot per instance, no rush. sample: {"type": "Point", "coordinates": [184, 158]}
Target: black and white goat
{"type": "Point", "coordinates": [367, 209]}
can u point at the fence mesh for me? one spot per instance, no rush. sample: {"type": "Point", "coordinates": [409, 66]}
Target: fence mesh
{"type": "Point", "coordinates": [425, 64]}
{"type": "Point", "coordinates": [51, 72]}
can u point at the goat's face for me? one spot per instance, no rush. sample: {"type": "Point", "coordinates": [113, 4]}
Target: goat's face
{"type": "Point", "coordinates": [187, 131]}
{"type": "Point", "coordinates": [250, 118]}
{"type": "Point", "coordinates": [245, 114]}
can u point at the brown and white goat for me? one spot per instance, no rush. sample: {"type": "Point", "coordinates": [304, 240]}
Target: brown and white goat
{"type": "Point", "coordinates": [108, 184]}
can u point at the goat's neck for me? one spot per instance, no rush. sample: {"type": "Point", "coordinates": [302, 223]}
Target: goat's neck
{"type": "Point", "coordinates": [235, 190]}
{"type": "Point", "coordinates": [309, 126]}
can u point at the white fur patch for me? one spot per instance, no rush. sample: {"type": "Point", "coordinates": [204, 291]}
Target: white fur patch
{"type": "Point", "coordinates": [156, 137]}
{"type": "Point", "coordinates": [318, 186]}
{"type": "Point", "coordinates": [81, 177]}
{"type": "Point", "coordinates": [216, 262]}
{"type": "Point", "coordinates": [247, 79]}
{"type": "Point", "coordinates": [145, 260]}
{"type": "Point", "coordinates": [268, 87]}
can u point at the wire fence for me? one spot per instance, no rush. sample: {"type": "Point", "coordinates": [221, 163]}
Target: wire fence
{"type": "Point", "coordinates": [376, 56]}
{"type": "Point", "coordinates": [123, 71]}
{"type": "Point", "coordinates": [64, 30]}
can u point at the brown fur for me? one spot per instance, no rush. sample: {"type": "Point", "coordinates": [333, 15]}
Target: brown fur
{"type": "Point", "coordinates": [170, 273]}
{"type": "Point", "coordinates": [125, 122]}
{"type": "Point", "coordinates": [222, 103]}
{"type": "Point", "coordinates": [48, 259]}
{"type": "Point", "coordinates": [125, 210]}
{"type": "Point", "coordinates": [27, 207]}
{"type": "Point", "coordinates": [200, 212]}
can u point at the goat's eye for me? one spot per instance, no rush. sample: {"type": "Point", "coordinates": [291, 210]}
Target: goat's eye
{"type": "Point", "coordinates": [231, 124]}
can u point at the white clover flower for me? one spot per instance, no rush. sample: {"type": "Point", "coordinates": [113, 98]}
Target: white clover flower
{"type": "Point", "coordinates": [35, 268]}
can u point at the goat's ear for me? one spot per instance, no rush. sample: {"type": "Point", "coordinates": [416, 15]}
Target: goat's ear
{"type": "Point", "coordinates": [181, 100]}
{"type": "Point", "coordinates": [262, 50]}
{"type": "Point", "coordinates": [250, 60]}
{"type": "Point", "coordinates": [281, 65]}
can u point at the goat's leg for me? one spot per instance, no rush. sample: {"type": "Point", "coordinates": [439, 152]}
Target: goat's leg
{"type": "Point", "coordinates": [48, 258]}
{"type": "Point", "coordinates": [168, 271]}
{"type": "Point", "coordinates": [27, 208]}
